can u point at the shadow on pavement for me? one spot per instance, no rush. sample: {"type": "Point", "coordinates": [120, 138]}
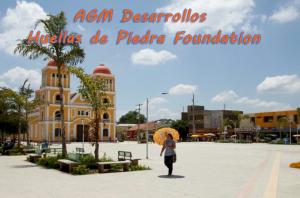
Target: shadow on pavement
{"type": "Point", "coordinates": [171, 176]}
{"type": "Point", "coordinates": [24, 166]}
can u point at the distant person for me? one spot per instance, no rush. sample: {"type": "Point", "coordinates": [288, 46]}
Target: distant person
{"type": "Point", "coordinates": [170, 155]}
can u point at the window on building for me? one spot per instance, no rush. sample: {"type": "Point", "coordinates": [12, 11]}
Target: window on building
{"type": "Point", "coordinates": [57, 99]}
{"type": "Point", "coordinates": [83, 113]}
{"type": "Point", "coordinates": [295, 118]}
{"type": "Point", "coordinates": [105, 101]}
{"type": "Point", "coordinates": [57, 132]}
{"type": "Point", "coordinates": [281, 116]}
{"type": "Point", "coordinates": [268, 119]}
{"type": "Point", "coordinates": [105, 132]}
{"type": "Point", "coordinates": [53, 75]}
{"type": "Point", "coordinates": [57, 115]}
{"type": "Point", "coordinates": [252, 120]}
{"type": "Point", "coordinates": [105, 116]}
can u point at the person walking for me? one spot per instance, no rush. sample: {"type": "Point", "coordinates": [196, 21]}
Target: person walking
{"type": "Point", "coordinates": [170, 155]}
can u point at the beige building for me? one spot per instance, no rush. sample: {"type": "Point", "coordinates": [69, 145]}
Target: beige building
{"type": "Point", "coordinates": [45, 121]}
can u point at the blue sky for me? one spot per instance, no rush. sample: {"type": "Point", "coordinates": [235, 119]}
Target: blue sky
{"type": "Point", "coordinates": [255, 78]}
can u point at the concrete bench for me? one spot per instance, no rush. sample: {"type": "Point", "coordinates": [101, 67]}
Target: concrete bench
{"type": "Point", "coordinates": [34, 157]}
{"type": "Point", "coordinates": [126, 155]}
{"type": "Point", "coordinates": [101, 165]}
{"type": "Point", "coordinates": [68, 165]}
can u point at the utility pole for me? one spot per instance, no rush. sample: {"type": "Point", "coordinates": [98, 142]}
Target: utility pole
{"type": "Point", "coordinates": [147, 129]}
{"type": "Point", "coordinates": [290, 131]}
{"type": "Point", "coordinates": [193, 113]}
{"type": "Point", "coordinates": [138, 121]}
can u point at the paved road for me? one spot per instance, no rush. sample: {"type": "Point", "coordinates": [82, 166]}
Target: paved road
{"type": "Point", "coordinates": [202, 170]}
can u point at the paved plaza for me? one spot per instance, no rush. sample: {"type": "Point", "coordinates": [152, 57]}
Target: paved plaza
{"type": "Point", "coordinates": [202, 170]}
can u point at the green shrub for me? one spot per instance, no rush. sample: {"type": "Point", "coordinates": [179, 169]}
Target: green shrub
{"type": "Point", "coordinates": [49, 162]}
{"type": "Point", "coordinates": [42, 162]}
{"type": "Point", "coordinates": [53, 162]}
{"type": "Point", "coordinates": [59, 156]}
{"type": "Point", "coordinates": [139, 167]}
{"type": "Point", "coordinates": [81, 170]}
{"type": "Point", "coordinates": [16, 151]}
{"type": "Point", "coordinates": [88, 160]}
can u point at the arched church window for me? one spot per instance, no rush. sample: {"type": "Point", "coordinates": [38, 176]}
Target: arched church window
{"type": "Point", "coordinates": [57, 99]}
{"type": "Point", "coordinates": [57, 115]}
{"type": "Point", "coordinates": [105, 101]}
{"type": "Point", "coordinates": [105, 116]}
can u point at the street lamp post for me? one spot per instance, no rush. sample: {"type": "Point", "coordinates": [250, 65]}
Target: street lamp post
{"type": "Point", "coordinates": [290, 132]}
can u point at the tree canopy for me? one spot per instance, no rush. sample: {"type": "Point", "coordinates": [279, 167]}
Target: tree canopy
{"type": "Point", "coordinates": [92, 90]}
{"type": "Point", "coordinates": [182, 127]}
{"type": "Point", "coordinates": [132, 118]}
{"type": "Point", "coordinates": [61, 53]}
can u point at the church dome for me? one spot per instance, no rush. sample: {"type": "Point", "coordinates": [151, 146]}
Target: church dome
{"type": "Point", "coordinates": [52, 63]}
{"type": "Point", "coordinates": [102, 69]}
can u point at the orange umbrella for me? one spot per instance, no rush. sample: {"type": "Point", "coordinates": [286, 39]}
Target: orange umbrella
{"type": "Point", "coordinates": [161, 135]}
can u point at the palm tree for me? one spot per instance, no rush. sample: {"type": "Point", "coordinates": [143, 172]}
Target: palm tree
{"type": "Point", "coordinates": [26, 93]}
{"type": "Point", "coordinates": [235, 123]}
{"type": "Point", "coordinates": [16, 105]}
{"type": "Point", "coordinates": [93, 91]}
{"type": "Point", "coordinates": [62, 53]}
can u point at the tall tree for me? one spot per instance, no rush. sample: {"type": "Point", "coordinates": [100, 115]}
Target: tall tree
{"type": "Point", "coordinates": [60, 52]}
{"type": "Point", "coordinates": [131, 118]}
{"type": "Point", "coordinates": [92, 89]}
{"type": "Point", "coordinates": [28, 104]}
{"type": "Point", "coordinates": [182, 127]}
{"type": "Point", "coordinates": [11, 120]}
{"type": "Point", "coordinates": [16, 105]}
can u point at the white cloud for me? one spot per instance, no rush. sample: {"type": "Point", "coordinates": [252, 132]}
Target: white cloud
{"type": "Point", "coordinates": [158, 110]}
{"type": "Point", "coordinates": [183, 89]}
{"type": "Point", "coordinates": [222, 15]}
{"type": "Point", "coordinates": [257, 102]}
{"type": "Point", "coordinates": [14, 78]}
{"type": "Point", "coordinates": [154, 103]}
{"type": "Point", "coordinates": [162, 112]}
{"type": "Point", "coordinates": [285, 84]}
{"type": "Point", "coordinates": [18, 22]}
{"type": "Point", "coordinates": [247, 103]}
{"type": "Point", "coordinates": [285, 14]}
{"type": "Point", "coordinates": [225, 97]}
{"type": "Point", "coordinates": [151, 57]}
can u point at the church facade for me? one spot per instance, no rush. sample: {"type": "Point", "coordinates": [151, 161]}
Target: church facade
{"type": "Point", "coordinates": [45, 122]}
